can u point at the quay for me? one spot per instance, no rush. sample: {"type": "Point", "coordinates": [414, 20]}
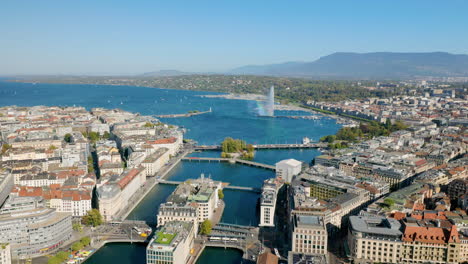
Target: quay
{"type": "Point", "coordinates": [183, 115]}
{"type": "Point", "coordinates": [271, 146]}
{"type": "Point", "coordinates": [150, 183]}
{"type": "Point", "coordinates": [244, 162]}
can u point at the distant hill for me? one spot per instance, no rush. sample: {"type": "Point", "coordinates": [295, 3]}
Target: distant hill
{"type": "Point", "coordinates": [165, 73]}
{"type": "Point", "coordinates": [378, 65]}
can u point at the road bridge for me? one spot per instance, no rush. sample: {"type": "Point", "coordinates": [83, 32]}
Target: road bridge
{"type": "Point", "coordinates": [271, 146]}
{"type": "Point", "coordinates": [231, 160]}
{"type": "Point", "coordinates": [226, 186]}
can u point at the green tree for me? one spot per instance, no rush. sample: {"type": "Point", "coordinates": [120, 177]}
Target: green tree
{"type": "Point", "coordinates": [52, 147]}
{"type": "Point", "coordinates": [77, 227]}
{"type": "Point", "coordinates": [90, 163]}
{"type": "Point", "coordinates": [206, 227]}
{"type": "Point", "coordinates": [85, 241]}
{"type": "Point", "coordinates": [92, 218]}
{"type": "Point", "coordinates": [148, 124]}
{"type": "Point", "coordinates": [94, 136]}
{"type": "Point", "coordinates": [67, 137]}
{"type": "Point", "coordinates": [106, 135]}
{"type": "Point", "coordinates": [76, 246]}
{"type": "Point", "coordinates": [220, 194]}
{"type": "Point", "coordinates": [62, 255]}
{"type": "Point", "coordinates": [5, 148]}
{"type": "Point", "coordinates": [389, 202]}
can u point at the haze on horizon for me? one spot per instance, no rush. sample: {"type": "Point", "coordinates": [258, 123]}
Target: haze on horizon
{"type": "Point", "coordinates": [133, 37]}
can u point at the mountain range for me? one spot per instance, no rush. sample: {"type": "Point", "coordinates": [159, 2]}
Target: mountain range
{"type": "Point", "coordinates": [349, 65]}
{"type": "Point", "coordinates": [377, 65]}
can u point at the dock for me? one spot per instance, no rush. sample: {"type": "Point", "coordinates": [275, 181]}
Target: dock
{"type": "Point", "coordinates": [189, 114]}
{"type": "Point", "coordinates": [240, 161]}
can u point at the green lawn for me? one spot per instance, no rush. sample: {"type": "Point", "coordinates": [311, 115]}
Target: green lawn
{"type": "Point", "coordinates": [164, 238]}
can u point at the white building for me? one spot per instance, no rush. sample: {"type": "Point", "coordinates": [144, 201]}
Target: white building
{"type": "Point", "coordinates": [171, 243]}
{"type": "Point", "coordinates": [268, 202]}
{"type": "Point", "coordinates": [287, 169]}
{"type": "Point", "coordinates": [114, 195]}
{"type": "Point", "coordinates": [5, 254]}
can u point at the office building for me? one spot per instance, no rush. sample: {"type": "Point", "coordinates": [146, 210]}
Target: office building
{"type": "Point", "coordinates": [309, 235]}
{"type": "Point", "coordinates": [171, 243]}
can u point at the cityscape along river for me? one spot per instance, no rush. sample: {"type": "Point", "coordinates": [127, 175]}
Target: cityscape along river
{"type": "Point", "coordinates": [230, 118]}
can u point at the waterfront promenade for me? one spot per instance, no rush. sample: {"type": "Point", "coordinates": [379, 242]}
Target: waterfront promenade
{"type": "Point", "coordinates": [150, 183]}
{"type": "Point", "coordinates": [184, 115]}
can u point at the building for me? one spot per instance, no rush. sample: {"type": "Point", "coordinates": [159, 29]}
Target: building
{"type": "Point", "coordinates": [177, 212]}
{"type": "Point", "coordinates": [309, 235]}
{"type": "Point", "coordinates": [457, 187]}
{"type": "Point", "coordinates": [114, 193]}
{"type": "Point", "coordinates": [374, 239]}
{"type": "Point", "coordinates": [268, 202]}
{"type": "Point", "coordinates": [155, 161]}
{"type": "Point", "coordinates": [6, 184]}
{"type": "Point", "coordinates": [5, 254]}
{"type": "Point", "coordinates": [428, 243]}
{"type": "Point", "coordinates": [299, 258]}
{"type": "Point", "coordinates": [31, 229]}
{"type": "Point", "coordinates": [287, 169]}
{"type": "Point", "coordinates": [171, 243]}
{"type": "Point", "coordinates": [201, 194]}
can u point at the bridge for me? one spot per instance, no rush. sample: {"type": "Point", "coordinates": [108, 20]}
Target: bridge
{"type": "Point", "coordinates": [229, 187]}
{"type": "Point", "coordinates": [271, 146]}
{"type": "Point", "coordinates": [121, 231]}
{"type": "Point", "coordinates": [244, 162]}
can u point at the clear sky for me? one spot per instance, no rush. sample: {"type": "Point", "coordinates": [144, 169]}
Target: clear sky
{"type": "Point", "coordinates": [131, 37]}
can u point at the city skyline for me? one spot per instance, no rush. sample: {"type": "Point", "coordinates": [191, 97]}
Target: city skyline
{"type": "Point", "coordinates": [128, 38]}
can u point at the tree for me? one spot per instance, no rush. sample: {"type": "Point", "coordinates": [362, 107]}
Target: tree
{"type": "Point", "coordinates": [62, 255]}
{"type": "Point", "coordinates": [389, 202]}
{"type": "Point", "coordinates": [148, 124]}
{"type": "Point", "coordinates": [85, 241]}
{"type": "Point", "coordinates": [220, 194]}
{"type": "Point", "coordinates": [90, 164]}
{"type": "Point", "coordinates": [77, 227]}
{"type": "Point", "coordinates": [106, 135]}
{"type": "Point", "coordinates": [76, 246]}
{"type": "Point", "coordinates": [94, 136]}
{"type": "Point", "coordinates": [5, 148]}
{"type": "Point", "coordinates": [92, 218]}
{"type": "Point", "coordinates": [206, 227]}
{"type": "Point", "coordinates": [67, 137]}
{"type": "Point", "coordinates": [52, 147]}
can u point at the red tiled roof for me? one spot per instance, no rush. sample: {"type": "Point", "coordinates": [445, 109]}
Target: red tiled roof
{"type": "Point", "coordinates": [434, 235]}
{"type": "Point", "coordinates": [128, 178]}
{"type": "Point", "coordinates": [170, 140]}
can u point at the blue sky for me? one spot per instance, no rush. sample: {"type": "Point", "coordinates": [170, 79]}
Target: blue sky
{"type": "Point", "coordinates": [131, 37]}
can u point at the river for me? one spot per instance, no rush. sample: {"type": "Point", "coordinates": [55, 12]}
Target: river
{"type": "Point", "coordinates": [233, 118]}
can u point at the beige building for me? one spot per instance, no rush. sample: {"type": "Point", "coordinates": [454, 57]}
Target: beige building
{"type": "Point", "coordinates": [374, 239]}
{"type": "Point", "coordinates": [309, 235]}
{"type": "Point", "coordinates": [5, 254]}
